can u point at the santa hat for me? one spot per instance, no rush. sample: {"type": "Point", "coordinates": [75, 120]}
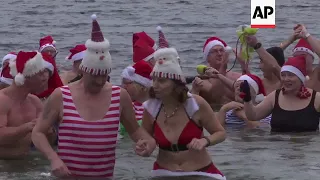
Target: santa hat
{"type": "Point", "coordinates": [297, 66]}
{"type": "Point", "coordinates": [97, 59]}
{"type": "Point", "coordinates": [46, 42]}
{"type": "Point", "coordinates": [142, 51]}
{"type": "Point", "coordinates": [303, 46]}
{"type": "Point", "coordinates": [5, 74]}
{"type": "Point", "coordinates": [139, 72]}
{"type": "Point", "coordinates": [144, 37]}
{"type": "Point", "coordinates": [27, 64]}
{"type": "Point", "coordinates": [54, 81]}
{"type": "Point", "coordinates": [255, 82]}
{"type": "Point", "coordinates": [167, 61]}
{"type": "Point", "coordinates": [6, 58]}
{"type": "Point", "coordinates": [163, 43]}
{"type": "Point", "coordinates": [211, 42]}
{"type": "Point", "coordinates": [77, 53]}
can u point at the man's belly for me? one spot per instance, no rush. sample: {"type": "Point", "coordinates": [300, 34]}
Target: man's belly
{"type": "Point", "coordinates": [16, 150]}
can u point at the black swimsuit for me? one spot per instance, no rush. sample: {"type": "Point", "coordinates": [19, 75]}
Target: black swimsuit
{"type": "Point", "coordinates": [303, 120]}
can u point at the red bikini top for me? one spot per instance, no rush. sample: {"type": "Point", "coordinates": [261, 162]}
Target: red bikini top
{"type": "Point", "coordinates": [190, 131]}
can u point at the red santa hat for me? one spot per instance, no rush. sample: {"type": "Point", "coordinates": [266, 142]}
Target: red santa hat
{"type": "Point", "coordinates": [139, 73]}
{"type": "Point", "coordinates": [211, 42]}
{"type": "Point", "coordinates": [54, 80]}
{"type": "Point", "coordinates": [9, 56]}
{"type": "Point", "coordinates": [142, 51]}
{"type": "Point", "coordinates": [144, 37]}
{"type": "Point", "coordinates": [97, 59]}
{"type": "Point", "coordinates": [303, 46]}
{"type": "Point", "coordinates": [5, 74]}
{"type": "Point", "coordinates": [255, 82]}
{"type": "Point", "coordinates": [297, 66]}
{"type": "Point", "coordinates": [77, 53]}
{"type": "Point", "coordinates": [46, 41]}
{"type": "Point", "coordinates": [27, 64]}
{"type": "Point", "coordinates": [167, 61]}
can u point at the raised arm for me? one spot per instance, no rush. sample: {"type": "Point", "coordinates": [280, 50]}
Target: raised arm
{"type": "Point", "coordinates": [51, 114]}
{"type": "Point", "coordinates": [9, 135]}
{"type": "Point", "coordinates": [266, 57]}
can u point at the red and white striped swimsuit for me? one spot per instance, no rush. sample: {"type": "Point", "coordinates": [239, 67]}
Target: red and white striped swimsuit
{"type": "Point", "coordinates": [138, 109]}
{"type": "Point", "coordinates": [88, 147]}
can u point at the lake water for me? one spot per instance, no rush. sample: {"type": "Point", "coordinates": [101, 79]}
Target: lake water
{"type": "Point", "coordinates": [246, 154]}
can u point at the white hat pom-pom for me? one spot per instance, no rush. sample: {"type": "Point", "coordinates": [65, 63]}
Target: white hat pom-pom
{"type": "Point", "coordinates": [307, 78]}
{"type": "Point", "coordinates": [93, 16]}
{"type": "Point", "coordinates": [67, 58]}
{"type": "Point", "coordinates": [54, 42]}
{"type": "Point", "coordinates": [228, 49]}
{"type": "Point", "coordinates": [19, 79]}
{"type": "Point", "coordinates": [131, 70]}
{"type": "Point", "coordinates": [159, 28]}
{"type": "Point", "coordinates": [13, 68]}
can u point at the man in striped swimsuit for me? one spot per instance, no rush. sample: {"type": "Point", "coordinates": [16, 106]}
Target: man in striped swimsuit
{"type": "Point", "coordinates": [89, 112]}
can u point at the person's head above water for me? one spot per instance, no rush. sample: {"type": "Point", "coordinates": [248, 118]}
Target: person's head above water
{"type": "Point", "coordinates": [256, 87]}
{"type": "Point", "coordinates": [214, 51]}
{"type": "Point", "coordinates": [96, 63]}
{"type": "Point", "coordinates": [136, 80]}
{"type": "Point", "coordinates": [76, 55]}
{"type": "Point", "coordinates": [30, 71]}
{"type": "Point", "coordinates": [168, 79]}
{"type": "Point", "coordinates": [294, 76]}
{"type": "Point", "coordinates": [48, 45]}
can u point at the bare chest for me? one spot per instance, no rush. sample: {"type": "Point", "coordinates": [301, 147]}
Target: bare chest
{"type": "Point", "coordinates": [92, 108]}
{"type": "Point", "coordinates": [22, 113]}
{"type": "Point", "coordinates": [173, 126]}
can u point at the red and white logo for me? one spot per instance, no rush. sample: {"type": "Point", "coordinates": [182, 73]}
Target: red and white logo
{"type": "Point", "coordinates": [263, 14]}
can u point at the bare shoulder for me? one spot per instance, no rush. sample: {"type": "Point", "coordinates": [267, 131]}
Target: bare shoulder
{"type": "Point", "coordinates": [5, 107]}
{"type": "Point", "coordinates": [55, 97]}
{"type": "Point", "coordinates": [124, 95]}
{"type": "Point", "coordinates": [34, 100]}
{"type": "Point", "coordinates": [200, 101]}
{"type": "Point", "coordinates": [233, 75]}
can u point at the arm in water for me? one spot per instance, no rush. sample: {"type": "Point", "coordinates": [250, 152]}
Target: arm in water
{"type": "Point", "coordinates": [209, 121]}
{"type": "Point", "coordinates": [9, 135]}
{"type": "Point", "coordinates": [127, 117]}
{"type": "Point", "coordinates": [51, 114]}
{"type": "Point", "coordinates": [260, 111]}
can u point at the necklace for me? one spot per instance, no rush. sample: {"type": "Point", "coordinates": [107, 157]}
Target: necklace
{"type": "Point", "coordinates": [173, 112]}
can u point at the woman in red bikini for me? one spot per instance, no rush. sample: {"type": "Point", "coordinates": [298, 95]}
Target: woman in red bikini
{"type": "Point", "coordinates": [176, 120]}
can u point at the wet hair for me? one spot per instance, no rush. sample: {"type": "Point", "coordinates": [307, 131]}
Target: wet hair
{"type": "Point", "coordinates": [278, 54]}
{"type": "Point", "coordinates": [180, 91]}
